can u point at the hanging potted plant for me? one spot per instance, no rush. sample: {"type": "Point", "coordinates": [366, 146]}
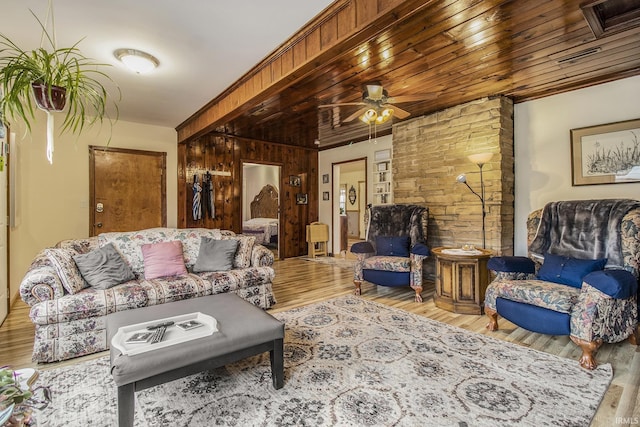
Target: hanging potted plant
{"type": "Point", "coordinates": [51, 79]}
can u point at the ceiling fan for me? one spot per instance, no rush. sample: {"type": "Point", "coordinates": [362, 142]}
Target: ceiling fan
{"type": "Point", "coordinates": [378, 107]}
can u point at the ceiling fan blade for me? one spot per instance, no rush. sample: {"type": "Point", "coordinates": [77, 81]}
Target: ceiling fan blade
{"type": "Point", "coordinates": [355, 115]}
{"type": "Point", "coordinates": [399, 112]}
{"type": "Point", "coordinates": [413, 98]}
{"type": "Point", "coordinates": [344, 103]}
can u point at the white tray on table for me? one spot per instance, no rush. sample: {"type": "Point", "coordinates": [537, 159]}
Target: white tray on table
{"type": "Point", "coordinates": [174, 335]}
{"type": "Point", "coordinates": [463, 252]}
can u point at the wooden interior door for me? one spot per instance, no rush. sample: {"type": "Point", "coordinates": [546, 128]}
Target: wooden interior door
{"type": "Point", "coordinates": [127, 189]}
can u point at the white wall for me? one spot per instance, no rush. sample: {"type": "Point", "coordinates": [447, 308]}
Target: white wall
{"type": "Point", "coordinates": [543, 146]}
{"type": "Point", "coordinates": [339, 155]}
{"type": "Point", "coordinates": [53, 200]}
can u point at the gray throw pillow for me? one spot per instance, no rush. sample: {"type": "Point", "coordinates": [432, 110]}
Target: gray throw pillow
{"type": "Point", "coordinates": [215, 255]}
{"type": "Point", "coordinates": [104, 267]}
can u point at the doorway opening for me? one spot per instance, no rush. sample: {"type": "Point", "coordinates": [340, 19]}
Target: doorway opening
{"type": "Point", "coordinates": [261, 204]}
{"type": "Point", "coordinates": [348, 210]}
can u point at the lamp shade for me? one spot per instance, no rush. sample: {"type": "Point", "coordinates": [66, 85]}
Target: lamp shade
{"type": "Point", "coordinates": [462, 178]}
{"type": "Point", "coordinates": [480, 158]}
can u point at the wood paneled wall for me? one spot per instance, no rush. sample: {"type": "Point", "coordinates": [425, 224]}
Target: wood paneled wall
{"type": "Point", "coordinates": [215, 152]}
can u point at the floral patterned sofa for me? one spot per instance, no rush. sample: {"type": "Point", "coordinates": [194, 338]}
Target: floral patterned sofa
{"type": "Point", "coordinates": [581, 276]}
{"type": "Point", "coordinates": [70, 321]}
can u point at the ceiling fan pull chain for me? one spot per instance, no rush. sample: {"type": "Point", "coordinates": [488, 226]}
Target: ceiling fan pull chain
{"type": "Point", "coordinates": [375, 132]}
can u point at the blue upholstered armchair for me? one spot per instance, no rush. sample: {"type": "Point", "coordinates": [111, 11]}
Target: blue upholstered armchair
{"type": "Point", "coordinates": [581, 276]}
{"type": "Point", "coordinates": [395, 248]}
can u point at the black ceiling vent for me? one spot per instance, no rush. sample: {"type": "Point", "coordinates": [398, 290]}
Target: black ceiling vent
{"type": "Point", "coordinates": [574, 57]}
{"type": "Point", "coordinates": [611, 16]}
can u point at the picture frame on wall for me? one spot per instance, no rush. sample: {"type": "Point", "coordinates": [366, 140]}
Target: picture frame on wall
{"type": "Point", "coordinates": [294, 180]}
{"type": "Point", "coordinates": [325, 178]}
{"type": "Point", "coordinates": [325, 195]}
{"type": "Point", "coordinates": [302, 199]}
{"type": "Point", "coordinates": [606, 154]}
{"type": "Point", "coordinates": [352, 195]}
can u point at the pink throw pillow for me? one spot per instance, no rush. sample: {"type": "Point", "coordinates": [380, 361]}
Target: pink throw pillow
{"type": "Point", "coordinates": [163, 259]}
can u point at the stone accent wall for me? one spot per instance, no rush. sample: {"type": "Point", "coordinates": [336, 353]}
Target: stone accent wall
{"type": "Point", "coordinates": [429, 152]}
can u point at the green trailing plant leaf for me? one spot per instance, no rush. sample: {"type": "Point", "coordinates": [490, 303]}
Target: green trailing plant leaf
{"type": "Point", "coordinates": [13, 392]}
{"type": "Point", "coordinates": [9, 388]}
{"type": "Point", "coordinates": [64, 67]}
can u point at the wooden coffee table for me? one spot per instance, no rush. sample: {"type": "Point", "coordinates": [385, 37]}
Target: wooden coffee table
{"type": "Point", "coordinates": [244, 330]}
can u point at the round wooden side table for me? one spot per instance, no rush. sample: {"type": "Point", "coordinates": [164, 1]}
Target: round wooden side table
{"type": "Point", "coordinates": [461, 279]}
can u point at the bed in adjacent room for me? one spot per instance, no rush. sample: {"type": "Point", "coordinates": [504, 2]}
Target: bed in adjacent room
{"type": "Point", "coordinates": [265, 230]}
{"type": "Point", "coordinates": [264, 217]}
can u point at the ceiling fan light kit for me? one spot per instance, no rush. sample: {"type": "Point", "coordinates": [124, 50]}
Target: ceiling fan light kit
{"type": "Point", "coordinates": [378, 117]}
{"type": "Point", "coordinates": [384, 115]}
{"type": "Point", "coordinates": [376, 108]}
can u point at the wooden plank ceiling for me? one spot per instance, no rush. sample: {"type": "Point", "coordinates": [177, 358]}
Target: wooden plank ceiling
{"type": "Point", "coordinates": [449, 51]}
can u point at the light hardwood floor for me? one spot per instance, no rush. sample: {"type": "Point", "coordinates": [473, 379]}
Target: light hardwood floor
{"type": "Point", "coordinates": [299, 282]}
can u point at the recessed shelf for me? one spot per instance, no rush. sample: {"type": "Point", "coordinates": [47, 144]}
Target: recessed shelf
{"type": "Point", "coordinates": [382, 178]}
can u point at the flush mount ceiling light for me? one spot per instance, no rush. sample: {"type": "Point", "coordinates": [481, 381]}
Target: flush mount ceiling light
{"type": "Point", "coordinates": [137, 60]}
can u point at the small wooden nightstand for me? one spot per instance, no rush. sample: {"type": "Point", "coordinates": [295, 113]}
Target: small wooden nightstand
{"type": "Point", "coordinates": [461, 280]}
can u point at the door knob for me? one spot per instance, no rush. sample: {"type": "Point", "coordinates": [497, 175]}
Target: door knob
{"type": "Point", "coordinates": [99, 225]}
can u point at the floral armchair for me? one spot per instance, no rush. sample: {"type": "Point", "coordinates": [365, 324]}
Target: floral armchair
{"type": "Point", "coordinates": [581, 276]}
{"type": "Point", "coordinates": [395, 248]}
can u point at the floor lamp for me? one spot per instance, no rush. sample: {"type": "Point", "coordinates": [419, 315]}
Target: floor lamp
{"type": "Point", "coordinates": [480, 160]}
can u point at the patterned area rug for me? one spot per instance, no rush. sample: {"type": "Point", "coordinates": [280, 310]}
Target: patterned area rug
{"type": "Point", "coordinates": [337, 261]}
{"type": "Point", "coordinates": [352, 362]}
